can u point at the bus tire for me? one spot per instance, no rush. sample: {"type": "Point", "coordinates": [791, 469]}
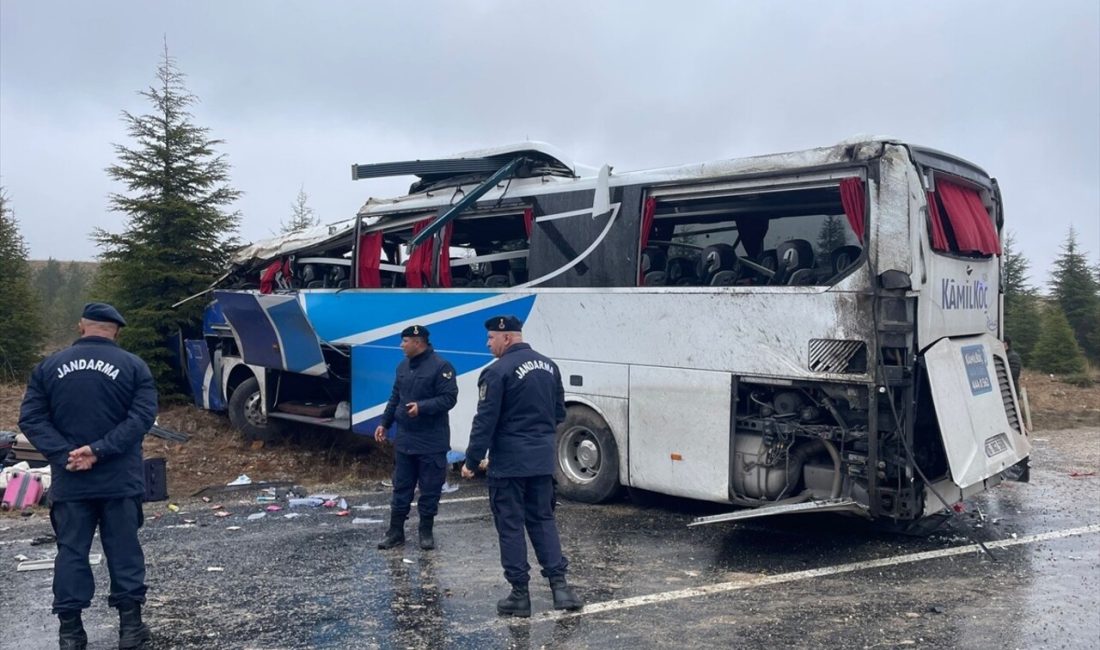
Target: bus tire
{"type": "Point", "coordinates": [246, 414]}
{"type": "Point", "coordinates": [587, 467]}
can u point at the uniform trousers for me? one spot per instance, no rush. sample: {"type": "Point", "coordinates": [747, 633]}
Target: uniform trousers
{"type": "Point", "coordinates": [427, 470]}
{"type": "Point", "coordinates": [74, 525]}
{"type": "Point", "coordinates": [526, 503]}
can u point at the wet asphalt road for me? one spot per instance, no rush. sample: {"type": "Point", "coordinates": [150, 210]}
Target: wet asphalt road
{"type": "Point", "coordinates": [317, 581]}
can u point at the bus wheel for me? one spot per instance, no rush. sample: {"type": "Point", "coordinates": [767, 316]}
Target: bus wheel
{"type": "Point", "coordinates": [588, 458]}
{"type": "Point", "coordinates": [246, 413]}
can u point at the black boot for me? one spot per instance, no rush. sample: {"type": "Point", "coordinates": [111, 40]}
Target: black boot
{"type": "Point", "coordinates": [395, 536]}
{"type": "Point", "coordinates": [132, 633]}
{"type": "Point", "coordinates": [518, 603]}
{"type": "Point", "coordinates": [564, 598]}
{"type": "Point", "coordinates": [71, 634]}
{"type": "Point", "coordinates": [427, 540]}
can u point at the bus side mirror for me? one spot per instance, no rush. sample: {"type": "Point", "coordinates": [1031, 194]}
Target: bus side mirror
{"type": "Point", "coordinates": [894, 279]}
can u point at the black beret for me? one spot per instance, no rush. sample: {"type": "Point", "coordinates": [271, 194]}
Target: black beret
{"type": "Point", "coordinates": [101, 312]}
{"type": "Point", "coordinates": [504, 324]}
{"type": "Point", "coordinates": [415, 330]}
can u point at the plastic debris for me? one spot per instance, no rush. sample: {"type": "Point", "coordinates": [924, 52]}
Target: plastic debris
{"type": "Point", "coordinates": [221, 513]}
{"type": "Point", "coordinates": [305, 502]}
{"type": "Point", "coordinates": [343, 513]}
{"type": "Point", "coordinates": [188, 521]}
{"type": "Point", "coordinates": [217, 507]}
{"type": "Point", "coordinates": [387, 483]}
{"type": "Point", "coordinates": [330, 503]}
{"type": "Point", "coordinates": [21, 558]}
{"type": "Point", "coordinates": [325, 497]}
{"type": "Point", "coordinates": [406, 560]}
{"type": "Point", "coordinates": [206, 499]}
{"type": "Point", "coordinates": [265, 498]}
{"type": "Point", "coordinates": [256, 515]}
{"type": "Point", "coordinates": [215, 569]}
{"type": "Point", "coordinates": [448, 488]}
{"type": "Point", "coordinates": [232, 527]}
{"type": "Point", "coordinates": [273, 508]}
{"type": "Point", "coordinates": [365, 520]}
{"type": "Point", "coordinates": [1081, 474]}
{"type": "Point", "coordinates": [173, 507]}
{"type": "Point", "coordinates": [342, 504]}
{"type": "Point", "coordinates": [241, 480]}
{"type": "Point", "coordinates": [292, 515]}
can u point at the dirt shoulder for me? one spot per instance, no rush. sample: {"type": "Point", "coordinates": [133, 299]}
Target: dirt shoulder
{"type": "Point", "coordinates": [1057, 405]}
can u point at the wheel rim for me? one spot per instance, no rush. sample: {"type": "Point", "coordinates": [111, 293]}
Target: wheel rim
{"type": "Point", "coordinates": [580, 455]}
{"type": "Point", "coordinates": [252, 411]}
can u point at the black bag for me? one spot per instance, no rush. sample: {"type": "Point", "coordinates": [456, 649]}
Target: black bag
{"type": "Point", "coordinates": [156, 480]}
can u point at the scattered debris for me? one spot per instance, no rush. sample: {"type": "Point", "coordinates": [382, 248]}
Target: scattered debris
{"type": "Point", "coordinates": [407, 560]}
{"type": "Point", "coordinates": [365, 520]}
{"type": "Point", "coordinates": [273, 508]}
{"type": "Point", "coordinates": [1081, 474]}
{"type": "Point", "coordinates": [232, 527]}
{"type": "Point", "coordinates": [45, 539]}
{"type": "Point", "coordinates": [47, 563]}
{"type": "Point", "coordinates": [173, 507]}
{"type": "Point", "coordinates": [221, 513]}
{"type": "Point", "coordinates": [21, 558]}
{"type": "Point", "coordinates": [256, 515]}
{"type": "Point", "coordinates": [168, 434]}
{"type": "Point", "coordinates": [305, 502]}
{"type": "Point", "coordinates": [240, 480]}
{"type": "Point", "coordinates": [215, 569]}
{"type": "Point", "coordinates": [936, 609]}
{"type": "Point", "coordinates": [448, 488]}
{"type": "Point", "coordinates": [343, 513]}
{"type": "Point", "coordinates": [292, 515]}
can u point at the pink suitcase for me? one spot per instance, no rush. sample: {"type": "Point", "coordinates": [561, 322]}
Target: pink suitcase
{"type": "Point", "coordinates": [23, 491]}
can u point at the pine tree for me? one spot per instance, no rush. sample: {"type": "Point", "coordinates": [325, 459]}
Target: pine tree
{"type": "Point", "coordinates": [831, 235]}
{"type": "Point", "coordinates": [1057, 350]}
{"type": "Point", "coordinates": [20, 321]}
{"type": "Point", "coordinates": [1075, 287]}
{"type": "Point", "coordinates": [178, 233]}
{"type": "Point", "coordinates": [301, 217]}
{"type": "Point", "coordinates": [1021, 305]}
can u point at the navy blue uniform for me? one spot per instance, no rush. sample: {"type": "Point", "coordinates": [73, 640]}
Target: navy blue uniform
{"type": "Point", "coordinates": [520, 403]}
{"type": "Point", "coordinates": [421, 443]}
{"type": "Point", "coordinates": [93, 393]}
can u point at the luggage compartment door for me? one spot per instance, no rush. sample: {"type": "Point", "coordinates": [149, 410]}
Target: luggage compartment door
{"type": "Point", "coordinates": [272, 331]}
{"type": "Point", "coordinates": [680, 431]}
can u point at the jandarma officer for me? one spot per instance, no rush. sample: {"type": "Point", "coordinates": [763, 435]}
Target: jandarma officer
{"type": "Point", "coordinates": [520, 404]}
{"type": "Point", "coordinates": [424, 391]}
{"type": "Point", "coordinates": [87, 409]}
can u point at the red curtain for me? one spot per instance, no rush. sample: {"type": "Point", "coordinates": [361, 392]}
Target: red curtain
{"type": "Point", "coordinates": [419, 263]}
{"type": "Point", "coordinates": [370, 256]}
{"type": "Point", "coordinates": [852, 197]}
{"type": "Point", "coordinates": [271, 276]}
{"type": "Point", "coordinates": [445, 256]}
{"type": "Point", "coordinates": [648, 211]}
{"type": "Point", "coordinates": [939, 235]}
{"type": "Point", "coordinates": [974, 231]}
{"type": "Point", "coordinates": [529, 221]}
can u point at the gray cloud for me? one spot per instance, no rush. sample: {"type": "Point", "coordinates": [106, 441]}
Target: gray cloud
{"type": "Point", "coordinates": [299, 91]}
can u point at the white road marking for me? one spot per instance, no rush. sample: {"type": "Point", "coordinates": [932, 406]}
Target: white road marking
{"type": "Point", "coordinates": [763, 581]}
{"type": "Point", "coordinates": [443, 502]}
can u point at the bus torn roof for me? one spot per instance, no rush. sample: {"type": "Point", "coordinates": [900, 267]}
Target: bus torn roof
{"type": "Point", "coordinates": [847, 151]}
{"type": "Point", "coordinates": [296, 242]}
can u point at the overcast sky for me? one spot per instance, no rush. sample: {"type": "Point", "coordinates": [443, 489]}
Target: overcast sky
{"type": "Point", "coordinates": [301, 90]}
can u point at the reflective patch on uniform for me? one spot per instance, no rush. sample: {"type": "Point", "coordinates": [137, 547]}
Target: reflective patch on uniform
{"type": "Point", "coordinates": [447, 374]}
{"type": "Point", "coordinates": [482, 390]}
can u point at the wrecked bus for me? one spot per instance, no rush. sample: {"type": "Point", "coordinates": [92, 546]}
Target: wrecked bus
{"type": "Point", "coordinates": [807, 331]}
